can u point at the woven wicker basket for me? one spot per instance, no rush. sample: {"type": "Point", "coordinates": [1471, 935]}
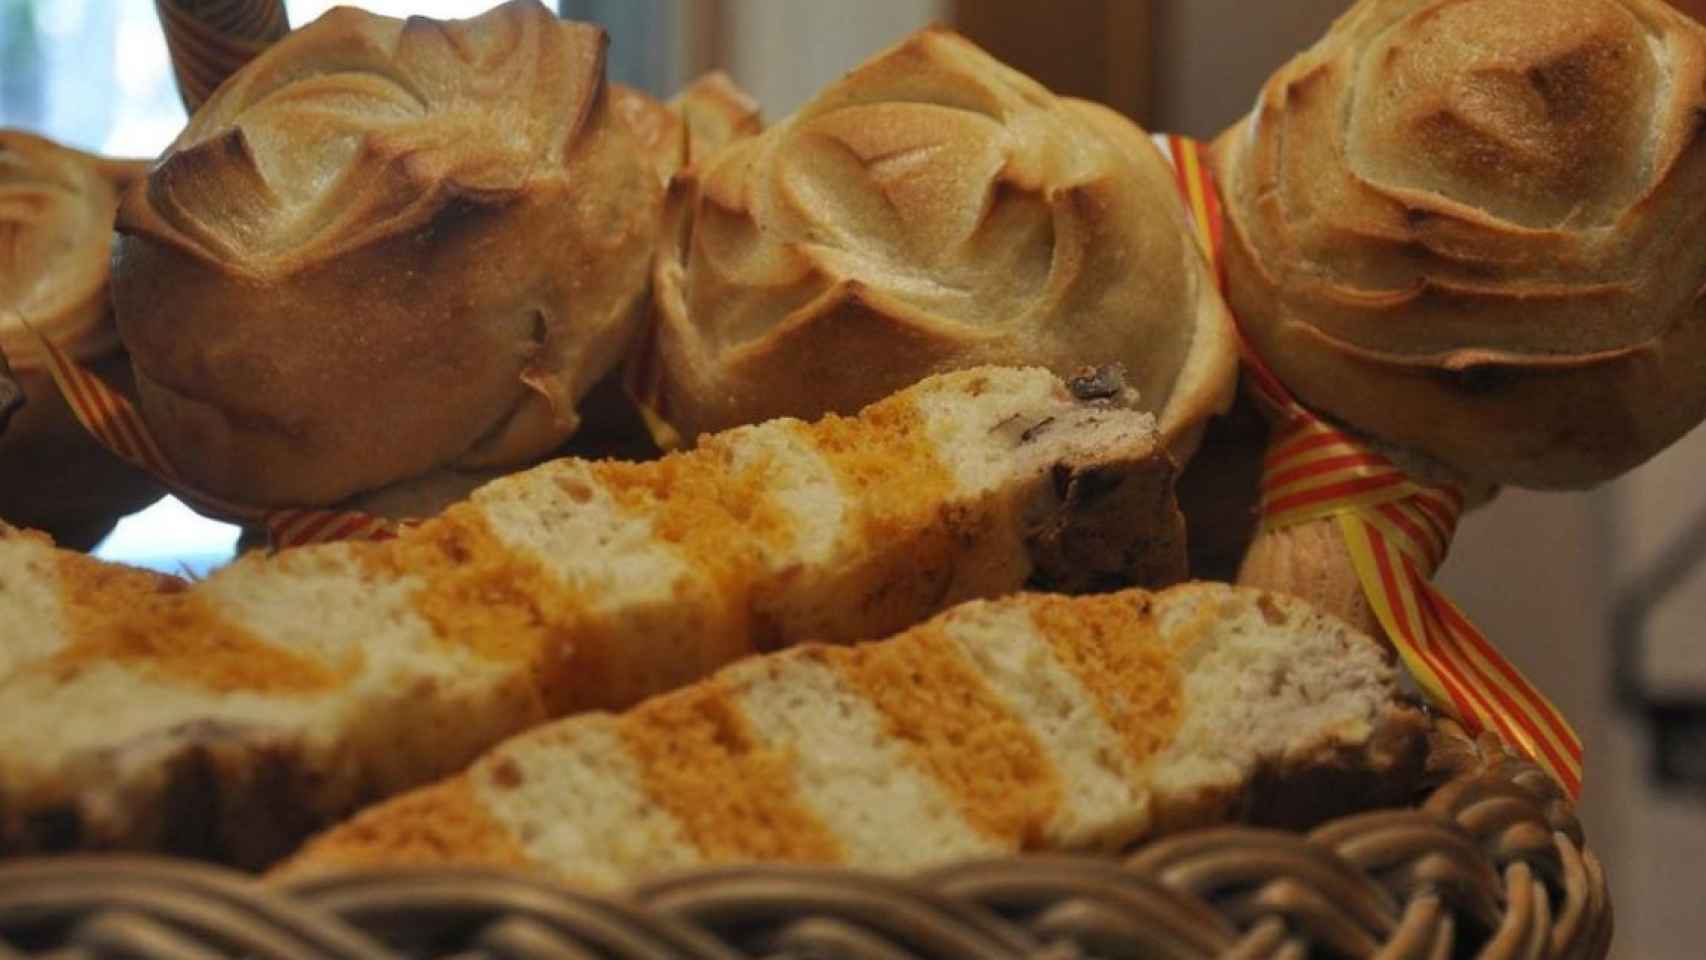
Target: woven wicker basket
{"type": "Point", "coordinates": [1489, 864]}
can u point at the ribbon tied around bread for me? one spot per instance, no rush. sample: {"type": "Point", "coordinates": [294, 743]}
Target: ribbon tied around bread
{"type": "Point", "coordinates": [113, 420]}
{"type": "Point", "coordinates": [1396, 529]}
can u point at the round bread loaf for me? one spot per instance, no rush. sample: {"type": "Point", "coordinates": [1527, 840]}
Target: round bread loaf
{"type": "Point", "coordinates": [932, 210]}
{"type": "Point", "coordinates": [386, 250]}
{"type": "Point", "coordinates": [698, 121]}
{"type": "Point", "coordinates": [1476, 231]}
{"type": "Point", "coordinates": [56, 237]}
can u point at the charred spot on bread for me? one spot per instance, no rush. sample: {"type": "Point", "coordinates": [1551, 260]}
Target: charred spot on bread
{"type": "Point", "coordinates": [1105, 382]}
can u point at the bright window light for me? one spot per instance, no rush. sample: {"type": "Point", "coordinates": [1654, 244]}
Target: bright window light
{"type": "Point", "coordinates": [307, 11]}
{"type": "Point", "coordinates": [171, 538]}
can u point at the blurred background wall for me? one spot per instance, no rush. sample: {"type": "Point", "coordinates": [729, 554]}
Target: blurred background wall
{"type": "Point", "coordinates": [1543, 574]}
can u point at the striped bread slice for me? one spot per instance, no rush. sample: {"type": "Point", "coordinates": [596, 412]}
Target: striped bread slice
{"type": "Point", "coordinates": [1032, 723]}
{"type": "Point", "coordinates": [229, 717]}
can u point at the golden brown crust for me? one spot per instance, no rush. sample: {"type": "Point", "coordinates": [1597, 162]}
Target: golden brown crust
{"type": "Point", "coordinates": [707, 114]}
{"type": "Point", "coordinates": [717, 112]}
{"type": "Point", "coordinates": [56, 215]}
{"type": "Point", "coordinates": [56, 218]}
{"type": "Point", "coordinates": [384, 249]}
{"type": "Point", "coordinates": [658, 131]}
{"type": "Point", "coordinates": [1471, 229]}
{"type": "Point", "coordinates": [932, 210]}
{"type": "Point", "coordinates": [1310, 561]}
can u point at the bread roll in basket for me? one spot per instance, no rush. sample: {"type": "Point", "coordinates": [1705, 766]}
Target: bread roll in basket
{"type": "Point", "coordinates": [932, 210]}
{"type": "Point", "coordinates": [386, 252]}
{"type": "Point", "coordinates": [1474, 231]}
{"type": "Point", "coordinates": [1471, 234]}
{"type": "Point", "coordinates": [56, 218]}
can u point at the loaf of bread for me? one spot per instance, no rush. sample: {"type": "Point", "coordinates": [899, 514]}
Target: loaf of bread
{"type": "Point", "coordinates": [932, 210]}
{"type": "Point", "coordinates": [1032, 723]}
{"type": "Point", "coordinates": [704, 117]}
{"type": "Point", "coordinates": [227, 717]}
{"type": "Point", "coordinates": [56, 237]}
{"type": "Point", "coordinates": [1475, 231]}
{"type": "Point", "coordinates": [385, 250]}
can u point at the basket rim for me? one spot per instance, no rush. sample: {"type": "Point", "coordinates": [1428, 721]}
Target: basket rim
{"type": "Point", "coordinates": [1490, 861]}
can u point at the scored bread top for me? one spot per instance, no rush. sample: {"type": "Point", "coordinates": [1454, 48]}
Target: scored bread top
{"type": "Point", "coordinates": [292, 687]}
{"type": "Point", "coordinates": [386, 249]}
{"type": "Point", "coordinates": [697, 122]}
{"type": "Point", "coordinates": [1474, 230]}
{"type": "Point", "coordinates": [56, 238]}
{"type": "Point", "coordinates": [1033, 723]}
{"type": "Point", "coordinates": [933, 209]}
{"type": "Point", "coordinates": [56, 217]}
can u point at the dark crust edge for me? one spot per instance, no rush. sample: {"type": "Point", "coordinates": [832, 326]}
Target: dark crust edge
{"type": "Point", "coordinates": [228, 793]}
{"type": "Point", "coordinates": [11, 395]}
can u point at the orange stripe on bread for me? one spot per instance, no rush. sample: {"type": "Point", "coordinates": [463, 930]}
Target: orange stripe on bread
{"type": "Point", "coordinates": [492, 601]}
{"type": "Point", "coordinates": [733, 793]}
{"type": "Point", "coordinates": [442, 824]}
{"type": "Point", "coordinates": [887, 464]}
{"type": "Point", "coordinates": [1111, 644]}
{"type": "Point", "coordinates": [156, 625]}
{"type": "Point", "coordinates": [934, 701]}
{"type": "Point", "coordinates": [716, 513]}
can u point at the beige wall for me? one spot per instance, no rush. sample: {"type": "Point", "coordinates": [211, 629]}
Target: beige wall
{"type": "Point", "coordinates": [769, 54]}
{"type": "Point", "coordinates": [1212, 55]}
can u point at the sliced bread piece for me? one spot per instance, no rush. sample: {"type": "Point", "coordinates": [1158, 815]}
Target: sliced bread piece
{"type": "Point", "coordinates": [227, 718]}
{"type": "Point", "coordinates": [1032, 723]}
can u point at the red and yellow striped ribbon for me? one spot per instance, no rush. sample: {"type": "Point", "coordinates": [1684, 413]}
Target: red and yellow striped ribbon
{"type": "Point", "coordinates": [113, 420]}
{"type": "Point", "coordinates": [1397, 532]}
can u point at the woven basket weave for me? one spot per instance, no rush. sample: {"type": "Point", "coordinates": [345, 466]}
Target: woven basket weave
{"type": "Point", "coordinates": [1491, 864]}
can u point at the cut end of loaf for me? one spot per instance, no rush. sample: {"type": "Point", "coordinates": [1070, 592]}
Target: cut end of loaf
{"type": "Point", "coordinates": [1296, 716]}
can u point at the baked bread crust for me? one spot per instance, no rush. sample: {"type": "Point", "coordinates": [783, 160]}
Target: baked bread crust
{"type": "Point", "coordinates": [56, 218]}
{"type": "Point", "coordinates": [706, 115]}
{"type": "Point", "coordinates": [934, 209]}
{"type": "Point", "coordinates": [1473, 230]}
{"type": "Point", "coordinates": [385, 249]}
